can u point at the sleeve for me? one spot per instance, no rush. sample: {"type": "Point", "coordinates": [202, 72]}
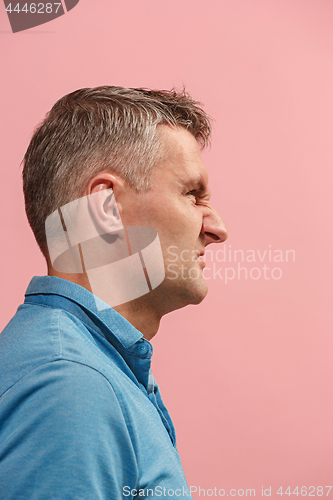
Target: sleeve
{"type": "Point", "coordinates": [65, 437]}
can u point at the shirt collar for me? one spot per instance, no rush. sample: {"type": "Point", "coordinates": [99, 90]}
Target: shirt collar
{"type": "Point", "coordinates": [124, 332]}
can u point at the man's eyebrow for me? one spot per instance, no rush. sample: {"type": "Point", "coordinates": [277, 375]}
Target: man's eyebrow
{"type": "Point", "coordinates": [197, 183]}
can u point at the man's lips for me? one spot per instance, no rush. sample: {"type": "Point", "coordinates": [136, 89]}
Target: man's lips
{"type": "Point", "coordinates": [201, 254]}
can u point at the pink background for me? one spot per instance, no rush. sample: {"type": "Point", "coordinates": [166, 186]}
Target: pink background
{"type": "Point", "coordinates": [247, 375]}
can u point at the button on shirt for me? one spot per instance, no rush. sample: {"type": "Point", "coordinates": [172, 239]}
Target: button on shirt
{"type": "Point", "coordinates": [81, 416]}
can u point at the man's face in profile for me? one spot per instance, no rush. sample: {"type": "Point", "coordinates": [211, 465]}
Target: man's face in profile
{"type": "Point", "coordinates": [177, 206]}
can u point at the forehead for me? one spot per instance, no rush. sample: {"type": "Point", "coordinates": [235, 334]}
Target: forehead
{"type": "Point", "coordinates": [182, 162]}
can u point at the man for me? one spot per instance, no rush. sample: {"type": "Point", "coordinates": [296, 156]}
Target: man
{"type": "Point", "coordinates": [81, 415]}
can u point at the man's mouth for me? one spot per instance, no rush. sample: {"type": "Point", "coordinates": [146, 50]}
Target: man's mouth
{"type": "Point", "coordinates": [201, 254]}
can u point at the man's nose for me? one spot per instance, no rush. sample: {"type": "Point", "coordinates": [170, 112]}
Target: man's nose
{"type": "Point", "coordinates": [213, 227]}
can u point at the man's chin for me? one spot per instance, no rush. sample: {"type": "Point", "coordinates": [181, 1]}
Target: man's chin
{"type": "Point", "coordinates": [198, 291]}
{"type": "Point", "coordinates": [201, 296]}
{"type": "Point", "coordinates": [185, 291]}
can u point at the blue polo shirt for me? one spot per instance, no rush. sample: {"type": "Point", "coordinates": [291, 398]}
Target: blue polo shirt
{"type": "Point", "coordinates": [81, 416]}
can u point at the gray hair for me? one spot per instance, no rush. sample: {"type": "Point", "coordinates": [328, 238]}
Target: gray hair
{"type": "Point", "coordinates": [101, 129]}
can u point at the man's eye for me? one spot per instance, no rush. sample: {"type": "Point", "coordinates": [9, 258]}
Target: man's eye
{"type": "Point", "coordinates": [192, 193]}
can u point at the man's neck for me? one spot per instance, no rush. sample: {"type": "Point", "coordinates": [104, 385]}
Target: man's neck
{"type": "Point", "coordinates": [141, 317]}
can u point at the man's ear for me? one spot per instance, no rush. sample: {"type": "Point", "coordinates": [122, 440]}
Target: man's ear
{"type": "Point", "coordinates": [103, 207]}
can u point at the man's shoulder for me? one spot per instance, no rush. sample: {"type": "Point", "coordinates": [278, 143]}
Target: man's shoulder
{"type": "Point", "coordinates": [38, 335]}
